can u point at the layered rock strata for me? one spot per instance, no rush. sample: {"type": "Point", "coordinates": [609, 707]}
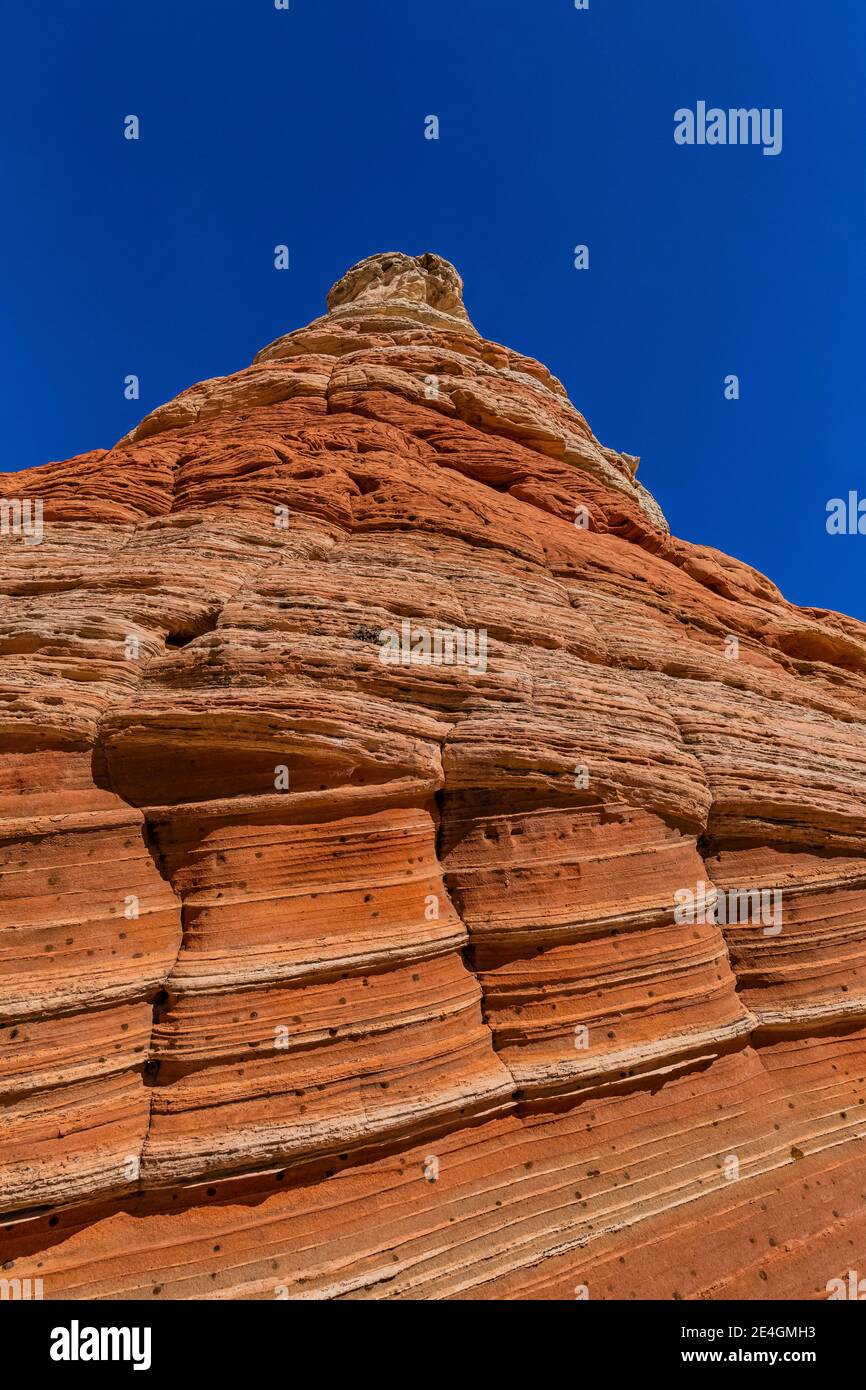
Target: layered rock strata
{"type": "Point", "coordinates": [339, 959]}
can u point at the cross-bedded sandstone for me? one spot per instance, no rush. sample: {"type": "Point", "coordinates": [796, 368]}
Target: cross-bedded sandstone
{"type": "Point", "coordinates": [323, 975]}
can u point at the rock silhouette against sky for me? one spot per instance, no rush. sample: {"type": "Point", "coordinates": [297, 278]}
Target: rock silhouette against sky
{"type": "Point", "coordinates": [323, 975]}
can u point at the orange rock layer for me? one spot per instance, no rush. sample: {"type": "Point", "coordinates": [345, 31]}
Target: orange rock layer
{"type": "Point", "coordinates": [328, 975]}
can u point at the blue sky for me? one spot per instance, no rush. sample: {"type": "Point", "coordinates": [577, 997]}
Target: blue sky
{"type": "Point", "coordinates": [305, 127]}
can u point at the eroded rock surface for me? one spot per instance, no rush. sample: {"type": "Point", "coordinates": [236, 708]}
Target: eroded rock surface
{"type": "Point", "coordinates": [330, 971]}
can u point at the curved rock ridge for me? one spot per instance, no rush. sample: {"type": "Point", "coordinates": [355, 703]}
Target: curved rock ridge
{"type": "Point", "coordinates": [421, 876]}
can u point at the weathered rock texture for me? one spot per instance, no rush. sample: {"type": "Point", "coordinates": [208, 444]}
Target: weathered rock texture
{"type": "Point", "coordinates": [423, 1023]}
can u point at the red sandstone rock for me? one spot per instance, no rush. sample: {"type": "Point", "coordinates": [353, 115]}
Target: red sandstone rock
{"type": "Point", "coordinates": [323, 975]}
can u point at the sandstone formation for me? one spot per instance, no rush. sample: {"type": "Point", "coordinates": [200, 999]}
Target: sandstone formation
{"type": "Point", "coordinates": [329, 976]}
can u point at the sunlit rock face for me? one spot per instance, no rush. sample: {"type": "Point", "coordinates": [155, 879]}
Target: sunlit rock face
{"type": "Point", "coordinates": [422, 876]}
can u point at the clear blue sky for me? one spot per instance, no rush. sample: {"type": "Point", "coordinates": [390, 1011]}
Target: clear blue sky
{"type": "Point", "coordinates": [260, 126]}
